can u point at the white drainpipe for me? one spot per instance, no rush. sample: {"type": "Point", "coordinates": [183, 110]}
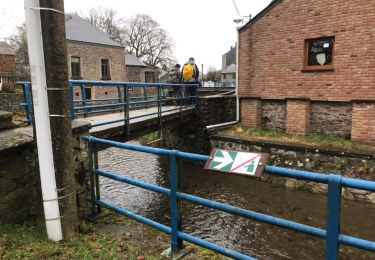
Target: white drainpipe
{"type": "Point", "coordinates": [237, 98]}
{"type": "Point", "coordinates": [42, 123]}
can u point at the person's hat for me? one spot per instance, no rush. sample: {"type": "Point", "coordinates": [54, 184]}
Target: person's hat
{"type": "Point", "coordinates": [191, 59]}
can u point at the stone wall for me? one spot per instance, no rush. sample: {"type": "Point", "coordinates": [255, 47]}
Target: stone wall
{"type": "Point", "coordinates": [331, 118]}
{"type": "Point", "coordinates": [348, 164]}
{"type": "Point", "coordinates": [192, 136]}
{"type": "Point", "coordinates": [20, 195]}
{"type": "Point", "coordinates": [10, 101]}
{"type": "Point", "coordinates": [274, 114]}
{"type": "Point", "coordinates": [135, 73]}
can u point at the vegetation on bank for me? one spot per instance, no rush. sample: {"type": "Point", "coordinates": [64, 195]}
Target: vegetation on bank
{"type": "Point", "coordinates": [29, 241]}
{"type": "Point", "coordinates": [310, 140]}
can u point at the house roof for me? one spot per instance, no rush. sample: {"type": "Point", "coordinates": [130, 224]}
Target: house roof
{"type": "Point", "coordinates": [229, 69]}
{"type": "Point", "coordinates": [6, 49]}
{"type": "Point", "coordinates": [77, 29]}
{"type": "Point", "coordinates": [132, 60]}
{"type": "Point", "coordinates": [260, 15]}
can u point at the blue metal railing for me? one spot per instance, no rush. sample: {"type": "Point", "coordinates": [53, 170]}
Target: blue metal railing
{"type": "Point", "coordinates": [186, 96]}
{"type": "Point", "coordinates": [331, 234]}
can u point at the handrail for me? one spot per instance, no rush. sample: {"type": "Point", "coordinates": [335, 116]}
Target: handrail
{"type": "Point", "coordinates": [122, 103]}
{"type": "Point", "coordinates": [331, 234]}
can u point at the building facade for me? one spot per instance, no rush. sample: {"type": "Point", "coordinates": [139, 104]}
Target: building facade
{"type": "Point", "coordinates": [93, 55]}
{"type": "Point", "coordinates": [308, 67]}
{"type": "Point", "coordinates": [7, 62]}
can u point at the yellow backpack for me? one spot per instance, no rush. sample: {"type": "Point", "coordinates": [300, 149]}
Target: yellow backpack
{"type": "Point", "coordinates": [188, 72]}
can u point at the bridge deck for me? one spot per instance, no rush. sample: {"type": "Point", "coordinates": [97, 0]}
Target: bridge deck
{"type": "Point", "coordinates": [133, 113]}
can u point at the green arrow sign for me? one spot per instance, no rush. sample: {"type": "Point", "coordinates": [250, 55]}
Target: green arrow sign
{"type": "Point", "coordinates": [251, 164]}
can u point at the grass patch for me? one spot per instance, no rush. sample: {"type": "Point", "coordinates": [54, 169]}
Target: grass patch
{"type": "Point", "coordinates": [149, 138]}
{"type": "Point", "coordinates": [29, 241]}
{"type": "Point", "coordinates": [312, 140]}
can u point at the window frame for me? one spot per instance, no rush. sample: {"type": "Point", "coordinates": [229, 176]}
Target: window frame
{"type": "Point", "coordinates": [79, 67]}
{"type": "Point", "coordinates": [307, 67]}
{"type": "Point", "coordinates": [108, 76]}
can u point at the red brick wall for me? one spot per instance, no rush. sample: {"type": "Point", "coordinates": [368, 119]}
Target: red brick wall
{"type": "Point", "coordinates": [7, 63]}
{"type": "Point", "coordinates": [363, 123]}
{"type": "Point", "coordinates": [251, 112]}
{"type": "Point", "coordinates": [272, 51]}
{"type": "Point", "coordinates": [271, 58]}
{"type": "Point", "coordinates": [298, 116]}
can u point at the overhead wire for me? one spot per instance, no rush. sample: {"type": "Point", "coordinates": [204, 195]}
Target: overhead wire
{"type": "Point", "coordinates": [235, 6]}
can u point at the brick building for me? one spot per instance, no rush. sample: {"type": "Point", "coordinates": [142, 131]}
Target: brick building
{"type": "Point", "coordinates": [309, 67]}
{"type": "Point", "coordinates": [93, 55]}
{"type": "Point", "coordinates": [7, 62]}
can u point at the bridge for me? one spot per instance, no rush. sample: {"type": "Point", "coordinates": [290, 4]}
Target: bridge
{"type": "Point", "coordinates": [130, 108]}
{"type": "Point", "coordinates": [129, 114]}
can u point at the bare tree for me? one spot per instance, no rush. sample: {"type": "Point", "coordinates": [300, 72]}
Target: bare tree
{"type": "Point", "coordinates": [148, 41]}
{"type": "Point", "coordinates": [213, 74]}
{"type": "Point", "coordinates": [107, 21]}
{"type": "Point", "coordinates": [19, 43]}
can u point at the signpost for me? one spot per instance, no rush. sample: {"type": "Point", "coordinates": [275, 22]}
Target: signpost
{"type": "Point", "coordinates": [243, 163]}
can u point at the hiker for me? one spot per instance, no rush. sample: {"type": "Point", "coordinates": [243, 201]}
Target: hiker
{"type": "Point", "coordinates": [175, 77]}
{"type": "Point", "coordinates": [190, 74]}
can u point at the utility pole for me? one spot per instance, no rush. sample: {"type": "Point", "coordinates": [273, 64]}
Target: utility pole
{"type": "Point", "coordinates": [57, 78]}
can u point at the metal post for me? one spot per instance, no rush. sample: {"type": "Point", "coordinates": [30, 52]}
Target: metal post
{"type": "Point", "coordinates": [145, 95]}
{"type": "Point", "coordinates": [71, 97]}
{"type": "Point", "coordinates": [333, 216]}
{"type": "Point", "coordinates": [97, 184]}
{"type": "Point", "coordinates": [92, 178]}
{"type": "Point", "coordinates": [84, 98]}
{"type": "Point", "coordinates": [159, 105]}
{"type": "Point", "coordinates": [127, 108]}
{"type": "Point", "coordinates": [119, 95]}
{"type": "Point", "coordinates": [175, 204]}
{"type": "Point", "coordinates": [29, 108]}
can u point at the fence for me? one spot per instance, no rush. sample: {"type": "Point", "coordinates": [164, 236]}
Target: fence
{"type": "Point", "coordinates": [335, 183]}
{"type": "Point", "coordinates": [85, 105]}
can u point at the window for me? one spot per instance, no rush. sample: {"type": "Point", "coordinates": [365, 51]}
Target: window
{"type": "Point", "coordinates": [319, 53]}
{"type": "Point", "coordinates": [75, 63]}
{"type": "Point", "coordinates": [88, 92]}
{"type": "Point", "coordinates": [150, 76]}
{"type": "Point", "coordinates": [105, 69]}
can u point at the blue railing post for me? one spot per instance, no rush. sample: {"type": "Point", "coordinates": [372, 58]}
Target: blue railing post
{"type": "Point", "coordinates": [97, 184]}
{"type": "Point", "coordinates": [84, 98]}
{"type": "Point", "coordinates": [28, 99]}
{"type": "Point", "coordinates": [127, 108]}
{"type": "Point", "coordinates": [92, 178]}
{"type": "Point", "coordinates": [71, 95]}
{"type": "Point", "coordinates": [175, 204]}
{"type": "Point", "coordinates": [333, 216]}
{"type": "Point", "coordinates": [159, 105]}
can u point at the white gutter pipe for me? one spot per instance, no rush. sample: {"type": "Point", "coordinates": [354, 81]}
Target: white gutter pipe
{"type": "Point", "coordinates": [42, 123]}
{"type": "Point", "coordinates": [237, 98]}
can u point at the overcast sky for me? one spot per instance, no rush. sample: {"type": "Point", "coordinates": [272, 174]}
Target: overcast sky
{"type": "Point", "coordinates": [203, 29]}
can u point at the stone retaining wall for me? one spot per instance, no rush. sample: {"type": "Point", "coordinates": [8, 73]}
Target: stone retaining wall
{"type": "Point", "coordinates": [192, 136]}
{"type": "Point", "coordinates": [353, 165]}
{"type": "Point", "coordinates": [10, 101]}
{"type": "Point", "coordinates": [20, 195]}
